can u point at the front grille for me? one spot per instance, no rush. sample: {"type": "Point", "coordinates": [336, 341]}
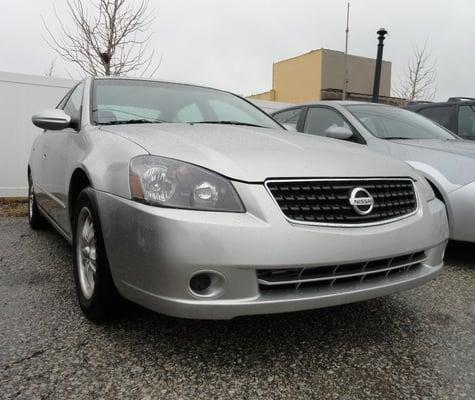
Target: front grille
{"type": "Point", "coordinates": [336, 275]}
{"type": "Point", "coordinates": [327, 202]}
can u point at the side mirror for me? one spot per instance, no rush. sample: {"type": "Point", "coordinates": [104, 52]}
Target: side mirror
{"type": "Point", "coordinates": [289, 127]}
{"type": "Point", "coordinates": [51, 119]}
{"type": "Point", "coordinates": [339, 132]}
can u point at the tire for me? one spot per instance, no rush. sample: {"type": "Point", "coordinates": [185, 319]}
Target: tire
{"type": "Point", "coordinates": [36, 220]}
{"type": "Point", "coordinates": [95, 288]}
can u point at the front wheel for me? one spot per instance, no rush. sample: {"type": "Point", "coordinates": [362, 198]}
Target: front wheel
{"type": "Point", "coordinates": [95, 288]}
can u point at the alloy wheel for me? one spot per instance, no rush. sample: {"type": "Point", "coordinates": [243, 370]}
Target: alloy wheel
{"type": "Point", "coordinates": [31, 202]}
{"type": "Point", "coordinates": [86, 253]}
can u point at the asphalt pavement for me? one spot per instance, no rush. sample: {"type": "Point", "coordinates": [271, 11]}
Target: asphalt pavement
{"type": "Point", "coordinates": [417, 344]}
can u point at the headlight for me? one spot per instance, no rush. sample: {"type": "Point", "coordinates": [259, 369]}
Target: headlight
{"type": "Point", "coordinates": [426, 189]}
{"type": "Point", "coordinates": [167, 182]}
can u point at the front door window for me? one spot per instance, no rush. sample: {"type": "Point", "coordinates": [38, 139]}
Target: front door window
{"type": "Point", "coordinates": [320, 119]}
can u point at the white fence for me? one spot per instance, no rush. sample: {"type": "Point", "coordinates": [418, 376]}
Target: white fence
{"type": "Point", "coordinates": [20, 97]}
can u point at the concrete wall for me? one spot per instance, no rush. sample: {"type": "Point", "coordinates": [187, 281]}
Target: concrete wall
{"type": "Point", "coordinates": [20, 97]}
{"type": "Point", "coordinates": [360, 73]}
{"type": "Point", "coordinates": [298, 79]}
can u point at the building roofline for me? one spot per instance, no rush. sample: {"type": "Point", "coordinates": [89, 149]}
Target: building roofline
{"type": "Point", "coordinates": [355, 56]}
{"type": "Point", "coordinates": [38, 80]}
{"type": "Point", "coordinates": [322, 49]}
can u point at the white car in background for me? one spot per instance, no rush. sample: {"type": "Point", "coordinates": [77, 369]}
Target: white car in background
{"type": "Point", "coordinates": [270, 107]}
{"type": "Point", "coordinates": [443, 158]}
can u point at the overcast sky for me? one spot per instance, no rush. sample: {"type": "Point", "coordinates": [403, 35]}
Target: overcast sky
{"type": "Point", "coordinates": [231, 44]}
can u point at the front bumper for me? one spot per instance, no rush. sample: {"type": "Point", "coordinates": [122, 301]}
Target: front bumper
{"type": "Point", "coordinates": [154, 251]}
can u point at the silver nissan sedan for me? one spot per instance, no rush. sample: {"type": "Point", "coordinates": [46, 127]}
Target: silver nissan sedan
{"type": "Point", "coordinates": [194, 203]}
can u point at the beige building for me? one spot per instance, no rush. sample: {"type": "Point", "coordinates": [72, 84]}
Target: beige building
{"type": "Point", "coordinates": [318, 75]}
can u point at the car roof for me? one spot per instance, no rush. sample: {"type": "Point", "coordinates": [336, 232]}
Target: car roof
{"type": "Point", "coordinates": [270, 105]}
{"type": "Point", "coordinates": [128, 78]}
{"type": "Point", "coordinates": [332, 103]}
{"type": "Point", "coordinates": [419, 106]}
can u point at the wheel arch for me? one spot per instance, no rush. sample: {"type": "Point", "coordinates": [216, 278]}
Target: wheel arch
{"type": "Point", "coordinates": [437, 192]}
{"type": "Point", "coordinates": [436, 179]}
{"type": "Point", "coordinates": [79, 180]}
{"type": "Point", "coordinates": [439, 183]}
{"type": "Point", "coordinates": [440, 195]}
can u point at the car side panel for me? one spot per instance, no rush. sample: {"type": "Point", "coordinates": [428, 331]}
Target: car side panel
{"type": "Point", "coordinates": [463, 216]}
{"type": "Point", "coordinates": [35, 162]}
{"type": "Point", "coordinates": [56, 152]}
{"type": "Point", "coordinates": [104, 157]}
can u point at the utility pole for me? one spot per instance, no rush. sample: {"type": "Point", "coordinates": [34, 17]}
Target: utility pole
{"type": "Point", "coordinates": [345, 77]}
{"type": "Point", "coordinates": [379, 61]}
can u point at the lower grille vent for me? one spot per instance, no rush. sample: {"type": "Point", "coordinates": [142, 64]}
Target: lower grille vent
{"type": "Point", "coordinates": [334, 275]}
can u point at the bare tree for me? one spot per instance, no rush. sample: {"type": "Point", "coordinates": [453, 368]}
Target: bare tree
{"type": "Point", "coordinates": [51, 68]}
{"type": "Point", "coordinates": [110, 40]}
{"type": "Point", "coordinates": [419, 81]}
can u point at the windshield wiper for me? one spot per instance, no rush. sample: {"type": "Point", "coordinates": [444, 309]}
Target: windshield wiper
{"type": "Point", "coordinates": [228, 123]}
{"type": "Point", "coordinates": [132, 121]}
{"type": "Point", "coordinates": [396, 138]}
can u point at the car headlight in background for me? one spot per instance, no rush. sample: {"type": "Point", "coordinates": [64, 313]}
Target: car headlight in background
{"type": "Point", "coordinates": [166, 182]}
{"type": "Point", "coordinates": [426, 189]}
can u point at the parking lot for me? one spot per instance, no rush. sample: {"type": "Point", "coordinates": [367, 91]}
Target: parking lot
{"type": "Point", "coordinates": [417, 344]}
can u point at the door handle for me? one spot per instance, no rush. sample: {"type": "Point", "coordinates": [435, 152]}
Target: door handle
{"type": "Point", "coordinates": [44, 155]}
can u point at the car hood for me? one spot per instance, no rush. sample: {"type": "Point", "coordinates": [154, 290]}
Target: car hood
{"type": "Point", "coordinates": [255, 154]}
{"type": "Point", "coordinates": [454, 159]}
{"type": "Point", "coordinates": [459, 147]}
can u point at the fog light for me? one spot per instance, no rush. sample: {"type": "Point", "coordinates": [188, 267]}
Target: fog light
{"type": "Point", "coordinates": [200, 282]}
{"type": "Point", "coordinates": [206, 284]}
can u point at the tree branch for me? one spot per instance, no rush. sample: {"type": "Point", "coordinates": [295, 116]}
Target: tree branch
{"type": "Point", "coordinates": [419, 81]}
{"type": "Point", "coordinates": [112, 41]}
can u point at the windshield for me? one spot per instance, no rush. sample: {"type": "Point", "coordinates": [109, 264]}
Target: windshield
{"type": "Point", "coordinates": [386, 122]}
{"type": "Point", "coordinates": [118, 101]}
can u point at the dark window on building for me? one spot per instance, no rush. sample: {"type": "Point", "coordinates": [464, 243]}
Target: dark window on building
{"type": "Point", "coordinates": [466, 121]}
{"type": "Point", "coordinates": [289, 117]}
{"type": "Point", "coordinates": [441, 114]}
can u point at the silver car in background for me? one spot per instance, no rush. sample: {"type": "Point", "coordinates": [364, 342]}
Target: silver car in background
{"type": "Point", "coordinates": [444, 159]}
{"type": "Point", "coordinates": [192, 202]}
